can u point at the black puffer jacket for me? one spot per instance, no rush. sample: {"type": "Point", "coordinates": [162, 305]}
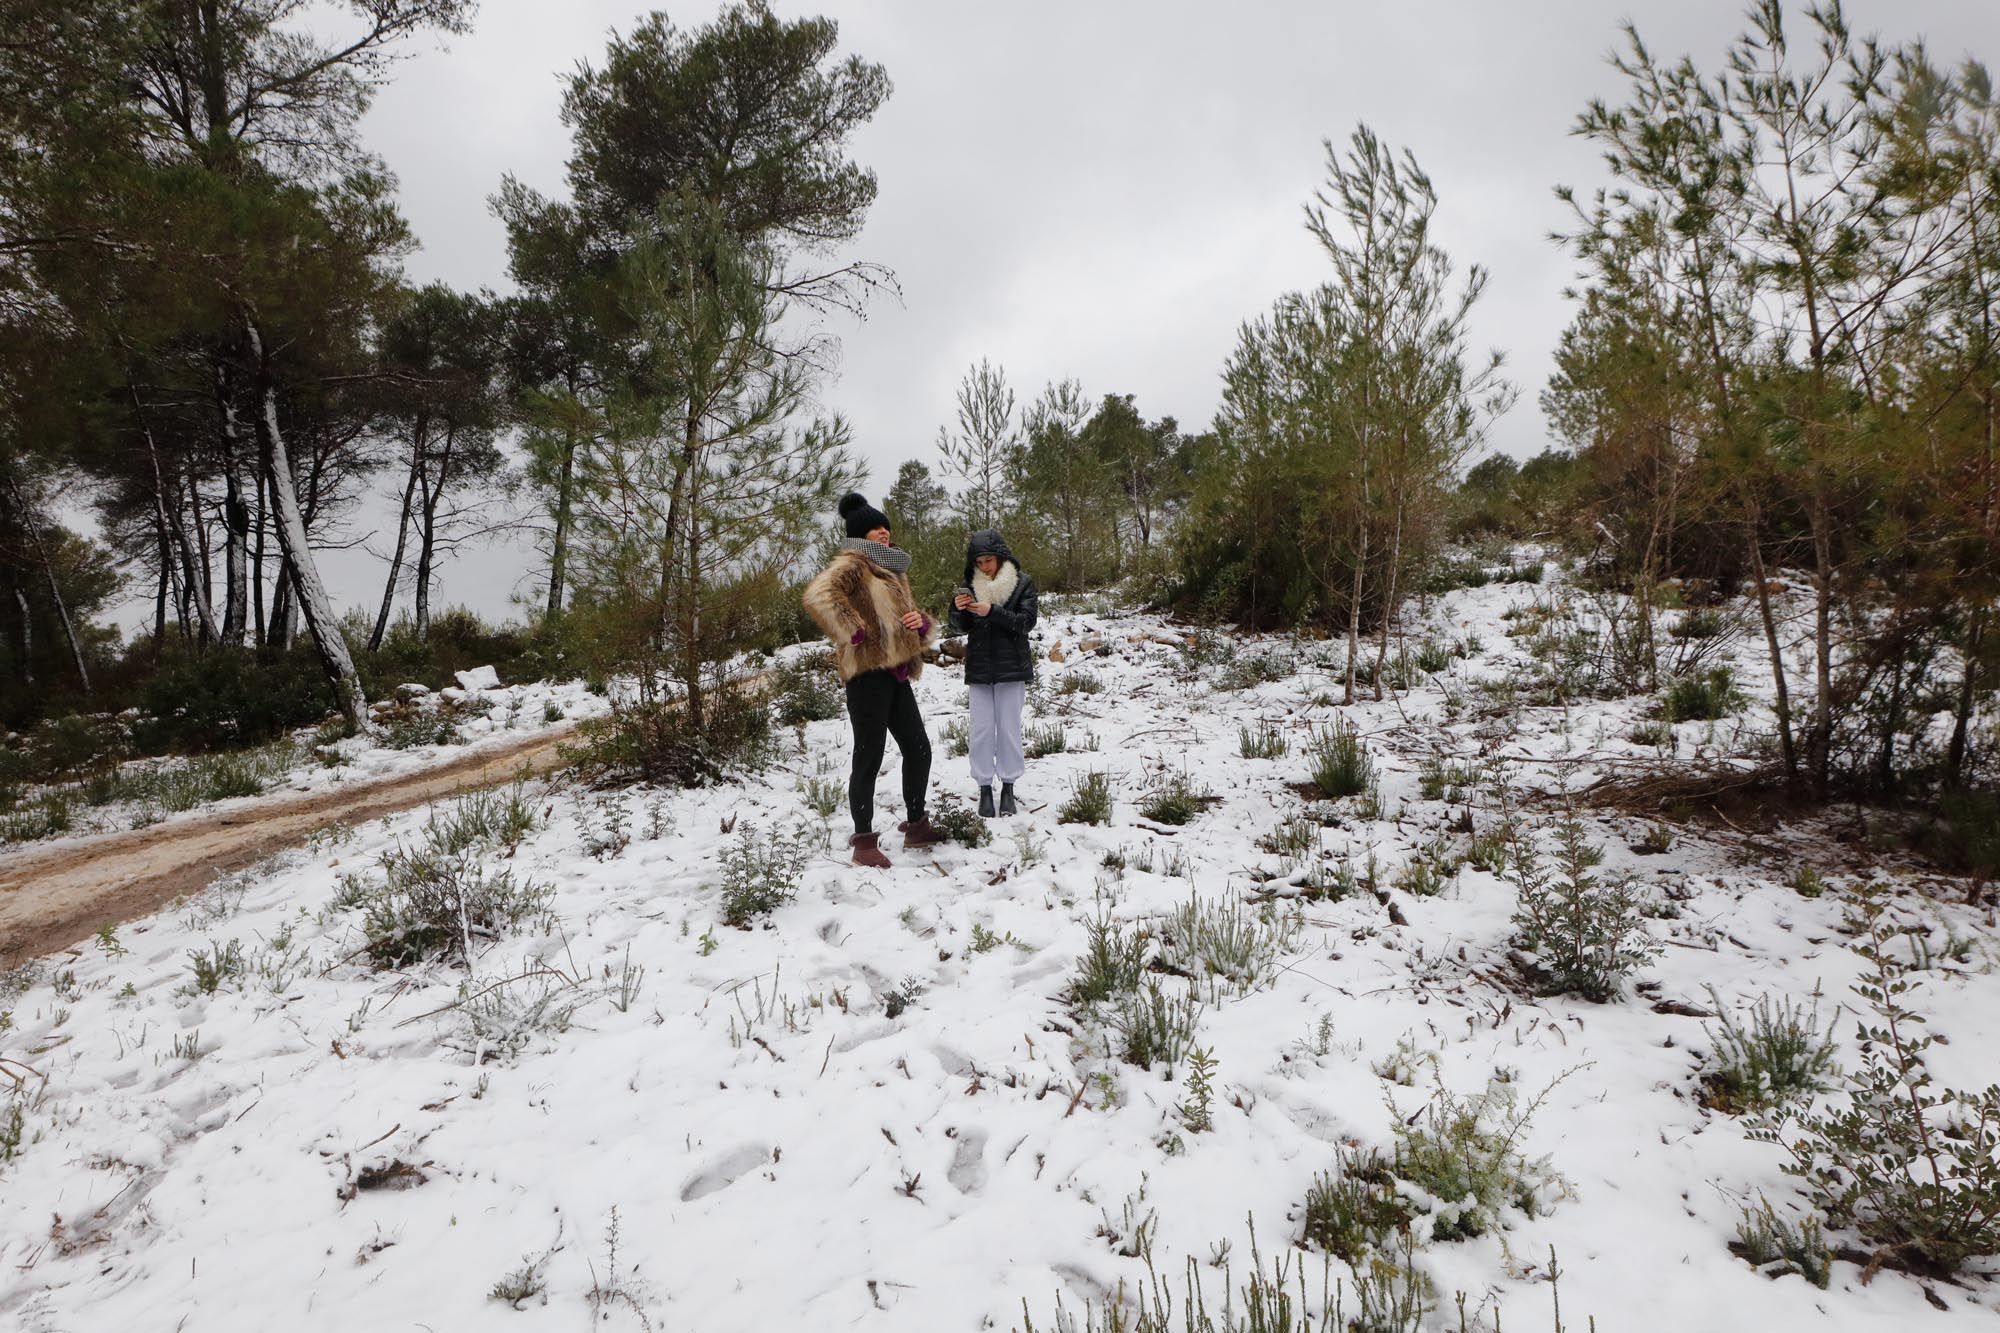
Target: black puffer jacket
{"type": "Point", "coordinates": [997, 649]}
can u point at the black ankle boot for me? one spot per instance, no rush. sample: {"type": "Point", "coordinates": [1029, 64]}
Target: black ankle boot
{"type": "Point", "coordinates": [986, 803]}
{"type": "Point", "coordinates": [1007, 806]}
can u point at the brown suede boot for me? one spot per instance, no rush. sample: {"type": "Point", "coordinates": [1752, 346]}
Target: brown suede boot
{"type": "Point", "coordinates": [920, 833]}
{"type": "Point", "coordinates": [868, 851]}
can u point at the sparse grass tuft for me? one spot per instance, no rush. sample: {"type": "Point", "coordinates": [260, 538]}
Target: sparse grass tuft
{"type": "Point", "coordinates": [1341, 765]}
{"type": "Point", "coordinates": [1264, 741]}
{"type": "Point", "coordinates": [1089, 802]}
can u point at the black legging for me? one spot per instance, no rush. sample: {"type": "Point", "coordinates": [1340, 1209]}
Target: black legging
{"type": "Point", "coordinates": [880, 706]}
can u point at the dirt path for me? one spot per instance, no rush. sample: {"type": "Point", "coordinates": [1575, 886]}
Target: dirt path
{"type": "Point", "coordinates": [52, 897]}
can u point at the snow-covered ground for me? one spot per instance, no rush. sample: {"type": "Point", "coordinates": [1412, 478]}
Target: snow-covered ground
{"type": "Point", "coordinates": [878, 1109]}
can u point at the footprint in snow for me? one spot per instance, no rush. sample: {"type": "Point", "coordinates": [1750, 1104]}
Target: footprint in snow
{"type": "Point", "coordinates": [968, 1165]}
{"type": "Point", "coordinates": [725, 1171]}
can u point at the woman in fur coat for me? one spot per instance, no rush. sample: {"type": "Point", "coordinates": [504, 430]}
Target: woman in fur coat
{"type": "Point", "coordinates": [862, 602]}
{"type": "Point", "coordinates": [999, 662]}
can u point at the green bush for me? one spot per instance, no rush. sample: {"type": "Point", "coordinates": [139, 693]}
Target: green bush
{"type": "Point", "coordinates": [1778, 1056]}
{"type": "Point", "coordinates": [651, 741]}
{"type": "Point", "coordinates": [1915, 1169]}
{"type": "Point", "coordinates": [960, 823]}
{"type": "Point", "coordinates": [1264, 741]}
{"type": "Point", "coordinates": [1341, 765]}
{"type": "Point", "coordinates": [229, 697]}
{"type": "Point", "coordinates": [1463, 1154]}
{"type": "Point", "coordinates": [1174, 801]}
{"type": "Point", "coordinates": [1152, 1028]}
{"type": "Point", "coordinates": [1772, 1244]}
{"type": "Point", "coordinates": [1089, 801]}
{"type": "Point", "coordinates": [1582, 935]}
{"type": "Point", "coordinates": [435, 894]}
{"type": "Point", "coordinates": [806, 689]}
{"type": "Point", "coordinates": [1707, 697]}
{"type": "Point", "coordinates": [1042, 741]}
{"type": "Point", "coordinates": [1353, 1211]}
{"type": "Point", "coordinates": [1113, 961]}
{"type": "Point", "coordinates": [762, 873]}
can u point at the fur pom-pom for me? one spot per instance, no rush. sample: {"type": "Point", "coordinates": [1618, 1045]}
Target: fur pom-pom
{"type": "Point", "coordinates": [852, 501]}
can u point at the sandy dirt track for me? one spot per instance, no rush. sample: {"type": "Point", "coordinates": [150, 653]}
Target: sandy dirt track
{"type": "Point", "coordinates": [52, 897]}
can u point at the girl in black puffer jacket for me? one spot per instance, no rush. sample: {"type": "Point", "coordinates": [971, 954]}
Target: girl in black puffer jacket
{"type": "Point", "coordinates": [996, 619]}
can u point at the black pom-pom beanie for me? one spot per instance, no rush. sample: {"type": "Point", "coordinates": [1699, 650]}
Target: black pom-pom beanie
{"type": "Point", "coordinates": [861, 517]}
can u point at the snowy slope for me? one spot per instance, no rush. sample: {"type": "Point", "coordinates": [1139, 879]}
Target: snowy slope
{"type": "Point", "coordinates": [779, 1151]}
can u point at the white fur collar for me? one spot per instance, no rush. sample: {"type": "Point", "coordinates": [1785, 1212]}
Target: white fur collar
{"type": "Point", "coordinates": [998, 588]}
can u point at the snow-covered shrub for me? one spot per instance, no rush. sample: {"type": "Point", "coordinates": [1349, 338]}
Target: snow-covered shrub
{"type": "Point", "coordinates": [1080, 682]}
{"type": "Point", "coordinates": [432, 896]}
{"type": "Point", "coordinates": [1258, 668]}
{"type": "Point", "coordinates": [1771, 1243]}
{"type": "Point", "coordinates": [1153, 1028]}
{"type": "Point", "coordinates": [1113, 961]}
{"type": "Point", "coordinates": [1224, 939]}
{"type": "Point", "coordinates": [1341, 765]}
{"type": "Point", "coordinates": [1353, 1210]}
{"type": "Point", "coordinates": [1460, 1163]}
{"type": "Point", "coordinates": [417, 728]}
{"type": "Point", "coordinates": [1912, 1168]}
{"type": "Point", "coordinates": [957, 737]}
{"type": "Point", "coordinates": [1174, 801]}
{"type": "Point", "coordinates": [805, 689]}
{"type": "Point", "coordinates": [1582, 934]}
{"type": "Point", "coordinates": [1264, 741]}
{"type": "Point", "coordinates": [1089, 801]}
{"type": "Point", "coordinates": [220, 963]}
{"type": "Point", "coordinates": [960, 823]}
{"type": "Point", "coordinates": [1043, 741]}
{"type": "Point", "coordinates": [505, 1018]}
{"type": "Point", "coordinates": [762, 873]}
{"type": "Point", "coordinates": [651, 740]}
{"type": "Point", "coordinates": [1708, 696]}
{"type": "Point", "coordinates": [1776, 1055]}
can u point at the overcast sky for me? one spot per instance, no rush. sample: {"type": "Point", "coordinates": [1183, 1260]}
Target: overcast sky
{"type": "Point", "coordinates": [1100, 190]}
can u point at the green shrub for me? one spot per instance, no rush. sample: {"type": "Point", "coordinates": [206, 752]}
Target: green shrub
{"type": "Point", "coordinates": [1771, 1243]}
{"type": "Point", "coordinates": [1151, 1028]}
{"type": "Point", "coordinates": [1113, 961]}
{"type": "Point", "coordinates": [1042, 741]}
{"type": "Point", "coordinates": [1779, 1056]}
{"type": "Point", "coordinates": [225, 697]}
{"type": "Point", "coordinates": [1252, 669]}
{"type": "Point", "coordinates": [1226, 940]}
{"type": "Point", "coordinates": [220, 963]}
{"type": "Point", "coordinates": [435, 894]}
{"type": "Point", "coordinates": [651, 741]}
{"type": "Point", "coordinates": [806, 689]}
{"type": "Point", "coordinates": [1080, 682]}
{"type": "Point", "coordinates": [1353, 1211]}
{"type": "Point", "coordinates": [1707, 697]}
{"type": "Point", "coordinates": [1265, 741]}
{"type": "Point", "coordinates": [1583, 935]}
{"type": "Point", "coordinates": [957, 738]}
{"type": "Point", "coordinates": [1463, 1154]}
{"type": "Point", "coordinates": [1174, 802]}
{"type": "Point", "coordinates": [960, 823]}
{"type": "Point", "coordinates": [1341, 765]}
{"type": "Point", "coordinates": [1913, 1168]}
{"type": "Point", "coordinates": [761, 874]}
{"type": "Point", "coordinates": [1089, 801]}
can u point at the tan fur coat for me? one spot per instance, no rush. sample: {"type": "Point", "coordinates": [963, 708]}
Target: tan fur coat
{"type": "Point", "coordinates": [851, 594]}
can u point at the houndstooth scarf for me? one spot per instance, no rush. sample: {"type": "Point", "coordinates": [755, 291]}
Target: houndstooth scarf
{"type": "Point", "coordinates": [891, 558]}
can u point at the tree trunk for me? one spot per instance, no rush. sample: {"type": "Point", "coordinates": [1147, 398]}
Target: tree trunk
{"type": "Point", "coordinates": [691, 596]}
{"type": "Point", "coordinates": [430, 495]}
{"type": "Point", "coordinates": [1389, 601]}
{"type": "Point", "coordinates": [1819, 735]}
{"type": "Point", "coordinates": [235, 514]}
{"type": "Point", "coordinates": [1961, 722]}
{"type": "Point", "coordinates": [257, 564]}
{"type": "Point", "coordinates": [284, 623]}
{"type": "Point", "coordinates": [1354, 594]}
{"type": "Point", "coordinates": [402, 542]}
{"type": "Point", "coordinates": [559, 548]}
{"type": "Point", "coordinates": [1772, 647]}
{"type": "Point", "coordinates": [332, 649]}
{"type": "Point", "coordinates": [27, 636]}
{"type": "Point", "coordinates": [35, 538]}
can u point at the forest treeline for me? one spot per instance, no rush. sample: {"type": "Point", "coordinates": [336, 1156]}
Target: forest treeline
{"type": "Point", "coordinates": [1778, 391]}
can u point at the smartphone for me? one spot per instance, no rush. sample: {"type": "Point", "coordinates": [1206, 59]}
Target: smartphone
{"type": "Point", "coordinates": [960, 591]}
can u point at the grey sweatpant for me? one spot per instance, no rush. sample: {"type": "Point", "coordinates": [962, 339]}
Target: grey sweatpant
{"type": "Point", "coordinates": [996, 732]}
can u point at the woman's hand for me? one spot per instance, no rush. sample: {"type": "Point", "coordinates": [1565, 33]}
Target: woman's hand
{"type": "Point", "coordinates": [962, 601]}
{"type": "Point", "coordinates": [913, 621]}
{"type": "Point", "coordinates": [980, 608]}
